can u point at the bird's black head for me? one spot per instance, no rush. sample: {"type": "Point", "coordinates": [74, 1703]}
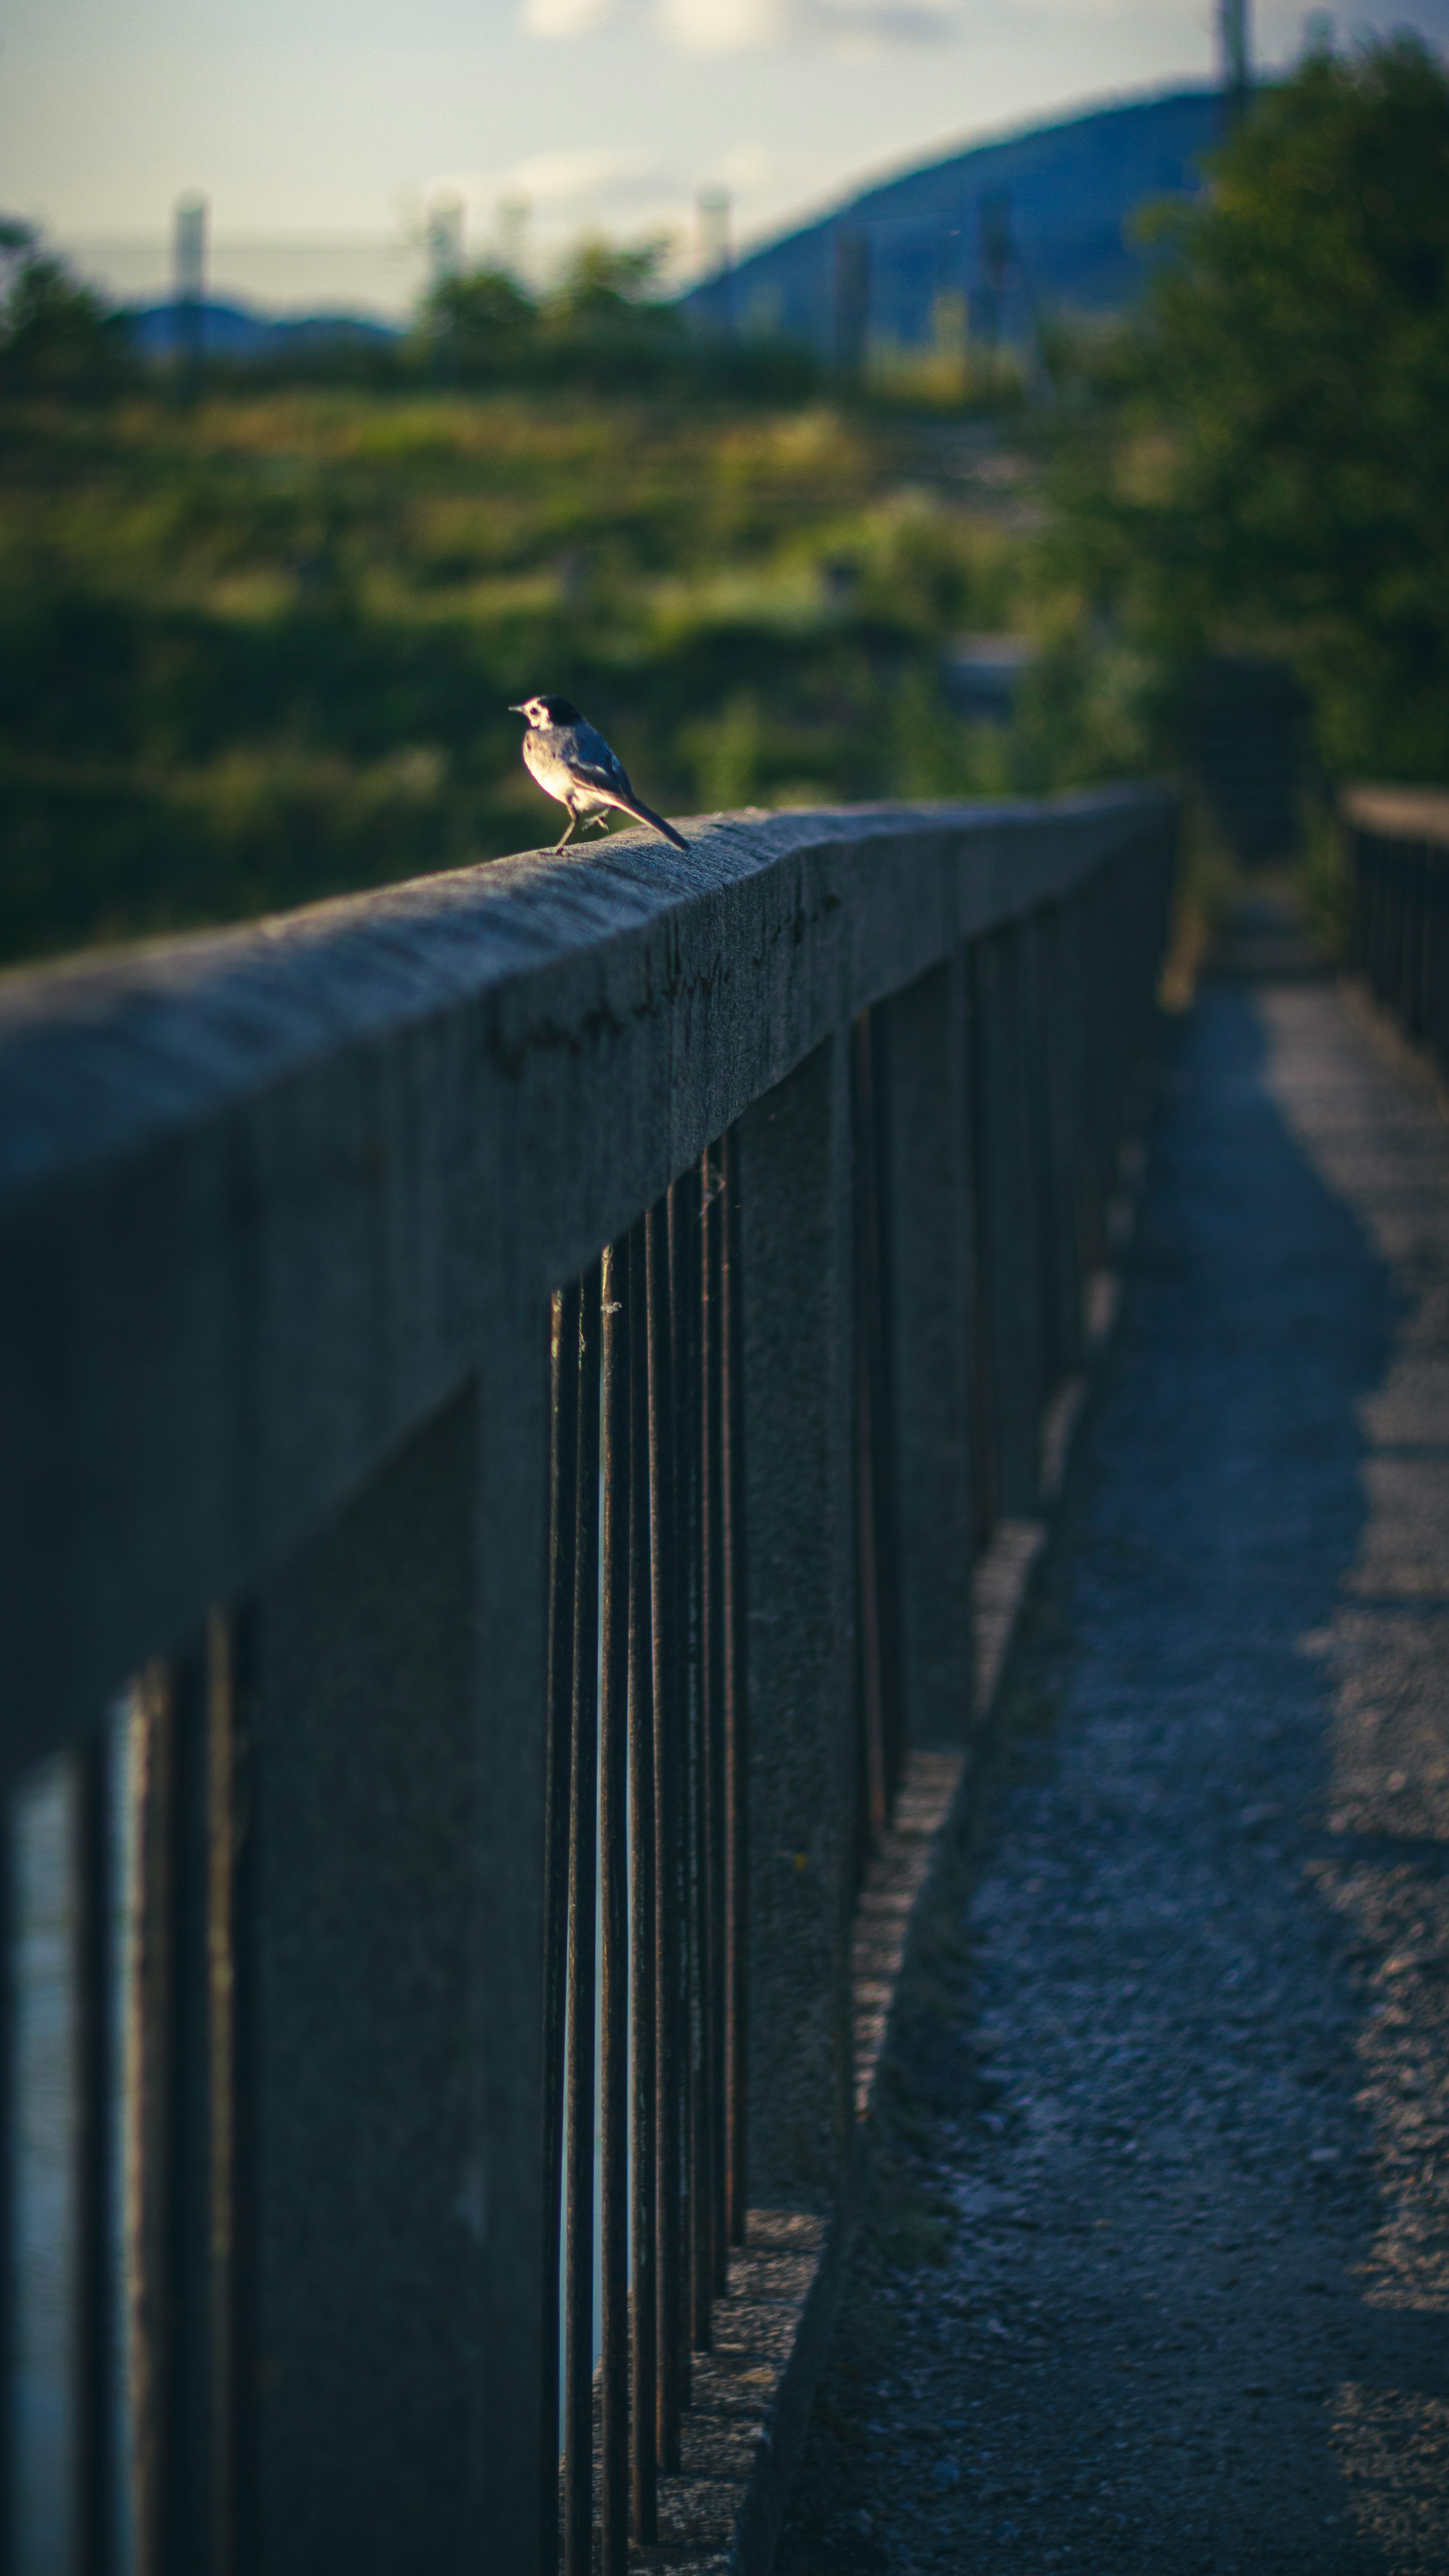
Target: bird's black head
{"type": "Point", "coordinates": [548, 711]}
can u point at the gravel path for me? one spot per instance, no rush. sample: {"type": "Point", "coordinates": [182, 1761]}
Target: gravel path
{"type": "Point", "coordinates": [1155, 2266]}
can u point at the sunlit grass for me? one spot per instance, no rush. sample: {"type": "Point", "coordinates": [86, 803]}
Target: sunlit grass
{"type": "Point", "coordinates": [259, 646]}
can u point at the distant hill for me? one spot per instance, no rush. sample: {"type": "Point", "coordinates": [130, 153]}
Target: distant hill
{"type": "Point", "coordinates": [239, 331]}
{"type": "Point", "coordinates": [1048, 210]}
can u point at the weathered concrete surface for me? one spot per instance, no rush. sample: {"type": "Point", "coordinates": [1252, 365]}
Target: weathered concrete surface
{"type": "Point", "coordinates": [794, 1160]}
{"type": "Point", "coordinates": [1156, 2275]}
{"type": "Point", "coordinates": [268, 1197]}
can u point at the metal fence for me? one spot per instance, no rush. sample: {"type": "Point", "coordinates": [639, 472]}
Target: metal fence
{"type": "Point", "coordinates": [502, 1384]}
{"type": "Point", "coordinates": [647, 1824]}
{"type": "Point", "coordinates": [1399, 924]}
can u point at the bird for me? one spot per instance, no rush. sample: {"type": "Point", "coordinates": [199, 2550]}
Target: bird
{"type": "Point", "coordinates": [571, 760]}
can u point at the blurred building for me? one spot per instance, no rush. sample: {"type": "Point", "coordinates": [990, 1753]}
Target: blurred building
{"type": "Point", "coordinates": [982, 674]}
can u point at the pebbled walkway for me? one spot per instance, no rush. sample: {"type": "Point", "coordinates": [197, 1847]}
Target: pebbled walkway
{"type": "Point", "coordinates": [1154, 2275]}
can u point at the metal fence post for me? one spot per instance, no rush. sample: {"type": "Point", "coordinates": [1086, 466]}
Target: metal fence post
{"type": "Point", "coordinates": [793, 1153]}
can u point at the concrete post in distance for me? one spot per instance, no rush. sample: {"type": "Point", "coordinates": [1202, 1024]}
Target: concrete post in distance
{"type": "Point", "coordinates": [391, 2039]}
{"type": "Point", "coordinates": [1068, 942]}
{"type": "Point", "coordinates": [794, 1162]}
{"type": "Point", "coordinates": [926, 1058]}
{"type": "Point", "coordinates": [1006, 1143]}
{"type": "Point", "coordinates": [1053, 1047]}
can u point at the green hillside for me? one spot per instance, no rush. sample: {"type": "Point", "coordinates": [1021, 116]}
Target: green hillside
{"type": "Point", "coordinates": [259, 648]}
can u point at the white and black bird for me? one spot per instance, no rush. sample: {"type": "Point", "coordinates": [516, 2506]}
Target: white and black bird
{"type": "Point", "coordinates": [572, 761]}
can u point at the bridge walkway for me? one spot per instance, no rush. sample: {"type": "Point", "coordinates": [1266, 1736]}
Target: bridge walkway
{"type": "Point", "coordinates": [1155, 2264]}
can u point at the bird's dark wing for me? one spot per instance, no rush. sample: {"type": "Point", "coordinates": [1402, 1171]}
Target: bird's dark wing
{"type": "Point", "coordinates": [591, 760]}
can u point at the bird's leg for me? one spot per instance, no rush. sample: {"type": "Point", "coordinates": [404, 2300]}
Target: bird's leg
{"type": "Point", "coordinates": [573, 825]}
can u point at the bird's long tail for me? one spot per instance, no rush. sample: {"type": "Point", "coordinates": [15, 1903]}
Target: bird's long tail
{"type": "Point", "coordinates": [642, 814]}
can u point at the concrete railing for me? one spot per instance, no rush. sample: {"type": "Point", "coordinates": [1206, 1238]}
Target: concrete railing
{"type": "Point", "coordinates": [1398, 839]}
{"type": "Point", "coordinates": [386, 1674]}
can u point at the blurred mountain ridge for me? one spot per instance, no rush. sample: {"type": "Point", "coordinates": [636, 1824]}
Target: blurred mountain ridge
{"type": "Point", "coordinates": [215, 328]}
{"type": "Point", "coordinates": [1036, 222]}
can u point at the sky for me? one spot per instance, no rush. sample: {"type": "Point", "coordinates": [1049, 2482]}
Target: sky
{"type": "Point", "coordinates": [335, 124]}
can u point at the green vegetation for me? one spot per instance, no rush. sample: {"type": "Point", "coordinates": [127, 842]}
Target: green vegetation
{"type": "Point", "coordinates": [259, 644]}
{"type": "Point", "coordinates": [259, 635]}
{"type": "Point", "coordinates": [604, 325]}
{"type": "Point", "coordinates": [1262, 464]}
{"type": "Point", "coordinates": [56, 336]}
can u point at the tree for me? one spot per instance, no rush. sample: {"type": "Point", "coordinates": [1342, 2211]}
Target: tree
{"type": "Point", "coordinates": [606, 311]}
{"type": "Point", "coordinates": [56, 335]}
{"type": "Point", "coordinates": [1264, 461]}
{"type": "Point", "coordinates": [481, 324]}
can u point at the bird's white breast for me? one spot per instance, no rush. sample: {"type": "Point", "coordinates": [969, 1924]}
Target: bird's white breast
{"type": "Point", "coordinates": [544, 760]}
{"type": "Point", "coordinates": [547, 749]}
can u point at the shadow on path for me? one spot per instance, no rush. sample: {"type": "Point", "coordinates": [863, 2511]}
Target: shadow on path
{"type": "Point", "coordinates": [1155, 2269]}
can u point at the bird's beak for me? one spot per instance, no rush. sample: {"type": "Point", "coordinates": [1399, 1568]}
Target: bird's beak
{"type": "Point", "coordinates": [518, 711]}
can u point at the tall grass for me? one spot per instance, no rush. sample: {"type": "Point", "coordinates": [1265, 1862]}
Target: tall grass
{"type": "Point", "coordinates": [258, 642]}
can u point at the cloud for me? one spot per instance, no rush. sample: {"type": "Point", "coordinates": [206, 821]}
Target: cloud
{"type": "Point", "coordinates": [552, 19]}
{"type": "Point", "coordinates": [758, 26]}
{"type": "Point", "coordinates": [869, 26]}
{"type": "Point", "coordinates": [568, 179]}
{"type": "Point", "coordinates": [558, 184]}
{"type": "Point", "coordinates": [743, 170]}
{"type": "Point", "coordinates": [723, 26]}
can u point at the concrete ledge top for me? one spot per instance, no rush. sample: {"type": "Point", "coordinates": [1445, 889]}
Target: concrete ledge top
{"type": "Point", "coordinates": [98, 1051]}
{"type": "Point", "coordinates": [271, 1196]}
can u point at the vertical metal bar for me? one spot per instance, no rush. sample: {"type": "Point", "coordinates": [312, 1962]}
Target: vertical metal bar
{"type": "Point", "coordinates": [664, 1602]}
{"type": "Point", "coordinates": [583, 1897]}
{"type": "Point", "coordinates": [871, 1771]}
{"type": "Point", "coordinates": [737, 1781]}
{"type": "Point", "coordinates": [98, 2090]}
{"type": "Point", "coordinates": [9, 2122]}
{"type": "Point", "coordinates": [682, 1721]}
{"type": "Point", "coordinates": [614, 1864]}
{"type": "Point", "coordinates": [712, 1666]}
{"type": "Point", "coordinates": [241, 1866]}
{"type": "Point", "coordinates": [222, 1838]}
{"type": "Point", "coordinates": [189, 2131]}
{"type": "Point", "coordinates": [563, 1510]}
{"type": "Point", "coordinates": [643, 1977]}
{"type": "Point", "coordinates": [149, 1996]}
{"type": "Point", "coordinates": [688, 1295]}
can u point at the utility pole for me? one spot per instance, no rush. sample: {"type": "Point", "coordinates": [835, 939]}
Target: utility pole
{"type": "Point", "coordinates": [512, 229]}
{"type": "Point", "coordinates": [1234, 68]}
{"type": "Point", "coordinates": [950, 305]}
{"type": "Point", "coordinates": [716, 264]}
{"type": "Point", "coordinates": [993, 215]}
{"type": "Point", "coordinates": [850, 317]}
{"type": "Point", "coordinates": [443, 239]}
{"type": "Point", "coordinates": [188, 270]}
